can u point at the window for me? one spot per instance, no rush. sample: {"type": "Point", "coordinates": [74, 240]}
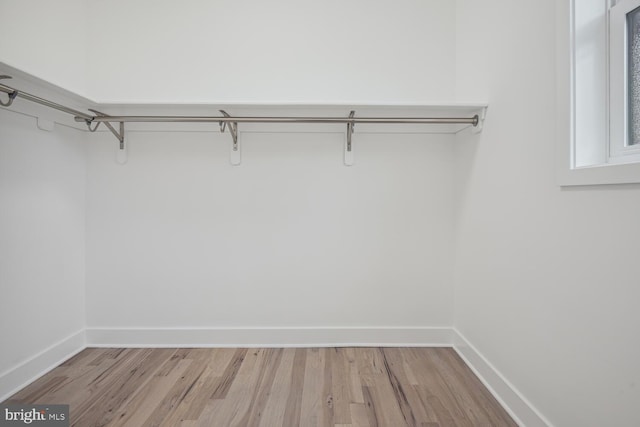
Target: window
{"type": "Point", "coordinates": [624, 82]}
{"type": "Point", "coordinates": [598, 53]}
{"type": "Point", "coordinates": [633, 72]}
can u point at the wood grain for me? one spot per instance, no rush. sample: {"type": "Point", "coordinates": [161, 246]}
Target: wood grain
{"type": "Point", "coordinates": [392, 387]}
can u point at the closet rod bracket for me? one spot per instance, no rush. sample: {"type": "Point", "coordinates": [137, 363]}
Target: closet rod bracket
{"type": "Point", "coordinates": [234, 155]}
{"type": "Point", "coordinates": [12, 95]}
{"type": "Point", "coordinates": [348, 146]}
{"type": "Point", "coordinates": [479, 120]}
{"type": "Point", "coordinates": [233, 129]}
{"type": "Point", "coordinates": [350, 129]}
{"type": "Point", "coordinates": [119, 134]}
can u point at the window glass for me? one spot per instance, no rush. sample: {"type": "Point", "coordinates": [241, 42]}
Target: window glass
{"type": "Point", "coordinates": [633, 73]}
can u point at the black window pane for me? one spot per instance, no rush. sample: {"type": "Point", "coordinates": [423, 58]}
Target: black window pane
{"type": "Point", "coordinates": [633, 72]}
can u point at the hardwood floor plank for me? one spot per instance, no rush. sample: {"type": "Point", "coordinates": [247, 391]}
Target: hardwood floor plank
{"type": "Point", "coordinates": [228, 411]}
{"type": "Point", "coordinates": [36, 390]}
{"type": "Point", "coordinates": [168, 367]}
{"type": "Point", "coordinates": [217, 363]}
{"type": "Point", "coordinates": [464, 400]}
{"type": "Point", "coordinates": [317, 405]}
{"type": "Point", "coordinates": [359, 415]}
{"type": "Point", "coordinates": [229, 374]}
{"type": "Point", "coordinates": [176, 394]}
{"type": "Point", "coordinates": [44, 388]}
{"type": "Point", "coordinates": [328, 415]}
{"type": "Point", "coordinates": [278, 397]}
{"type": "Point", "coordinates": [294, 400]}
{"type": "Point", "coordinates": [355, 381]}
{"type": "Point", "coordinates": [115, 377]}
{"type": "Point", "coordinates": [149, 397]}
{"type": "Point", "coordinates": [101, 411]}
{"type": "Point", "coordinates": [433, 383]}
{"type": "Point", "coordinates": [194, 400]}
{"type": "Point", "coordinates": [410, 404]}
{"type": "Point", "coordinates": [84, 357]}
{"type": "Point", "coordinates": [310, 414]}
{"type": "Point", "coordinates": [210, 414]}
{"type": "Point", "coordinates": [433, 403]}
{"type": "Point", "coordinates": [373, 412]}
{"type": "Point", "coordinates": [471, 389]}
{"type": "Point", "coordinates": [86, 383]}
{"type": "Point", "coordinates": [341, 387]}
{"type": "Point", "coordinates": [378, 390]}
{"type": "Point", "coordinates": [260, 396]}
{"type": "Point", "coordinates": [103, 354]}
{"type": "Point", "coordinates": [370, 365]}
{"type": "Point", "coordinates": [389, 411]}
{"type": "Point", "coordinates": [219, 360]}
{"type": "Point", "coordinates": [324, 387]}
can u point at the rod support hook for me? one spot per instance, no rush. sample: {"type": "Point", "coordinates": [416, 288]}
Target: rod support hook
{"type": "Point", "coordinates": [12, 95]}
{"type": "Point", "coordinates": [233, 129]}
{"type": "Point", "coordinates": [118, 134]}
{"type": "Point", "coordinates": [89, 122]}
{"type": "Point", "coordinates": [350, 127]}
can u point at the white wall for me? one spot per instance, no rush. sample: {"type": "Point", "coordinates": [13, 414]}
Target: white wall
{"type": "Point", "coordinates": [546, 278]}
{"type": "Point", "coordinates": [291, 238]}
{"type": "Point", "coordinates": [42, 232]}
{"type": "Point", "coordinates": [236, 51]}
{"type": "Point", "coordinates": [265, 232]}
{"type": "Point", "coordinates": [47, 39]}
{"type": "Point", "coordinates": [245, 51]}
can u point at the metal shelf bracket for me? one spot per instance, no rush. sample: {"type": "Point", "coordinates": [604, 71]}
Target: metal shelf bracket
{"type": "Point", "coordinates": [234, 157]}
{"type": "Point", "coordinates": [118, 134]}
{"type": "Point", "coordinates": [348, 146]}
{"type": "Point", "coordinates": [121, 154]}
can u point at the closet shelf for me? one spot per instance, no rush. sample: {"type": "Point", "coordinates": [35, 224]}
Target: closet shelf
{"type": "Point", "coordinates": [445, 119]}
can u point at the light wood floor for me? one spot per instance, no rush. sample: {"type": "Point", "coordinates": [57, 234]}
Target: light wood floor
{"type": "Point", "coordinates": [268, 387]}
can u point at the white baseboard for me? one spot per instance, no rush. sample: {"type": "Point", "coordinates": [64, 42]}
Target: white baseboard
{"type": "Point", "coordinates": [271, 337]}
{"type": "Point", "coordinates": [520, 409]}
{"type": "Point", "coordinates": [33, 368]}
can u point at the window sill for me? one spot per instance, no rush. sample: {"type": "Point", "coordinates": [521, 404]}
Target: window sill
{"type": "Point", "coordinates": [608, 174]}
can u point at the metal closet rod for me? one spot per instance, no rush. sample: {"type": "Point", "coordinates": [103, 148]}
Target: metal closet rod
{"type": "Point", "coordinates": [87, 118]}
{"type": "Point", "coordinates": [14, 93]}
{"type": "Point", "coordinates": [253, 119]}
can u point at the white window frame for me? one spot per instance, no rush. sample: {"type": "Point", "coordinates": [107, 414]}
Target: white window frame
{"type": "Point", "coordinates": [614, 163]}
{"type": "Point", "coordinates": [619, 150]}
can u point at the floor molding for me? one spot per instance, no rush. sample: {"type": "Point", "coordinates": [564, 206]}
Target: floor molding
{"type": "Point", "coordinates": [520, 409]}
{"type": "Point", "coordinates": [271, 337]}
{"type": "Point", "coordinates": [33, 368]}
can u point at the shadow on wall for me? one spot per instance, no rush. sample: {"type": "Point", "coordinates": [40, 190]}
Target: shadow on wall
{"type": "Point", "coordinates": [466, 150]}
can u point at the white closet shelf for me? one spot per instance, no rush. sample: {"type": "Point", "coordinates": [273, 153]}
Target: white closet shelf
{"type": "Point", "coordinates": [56, 105]}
